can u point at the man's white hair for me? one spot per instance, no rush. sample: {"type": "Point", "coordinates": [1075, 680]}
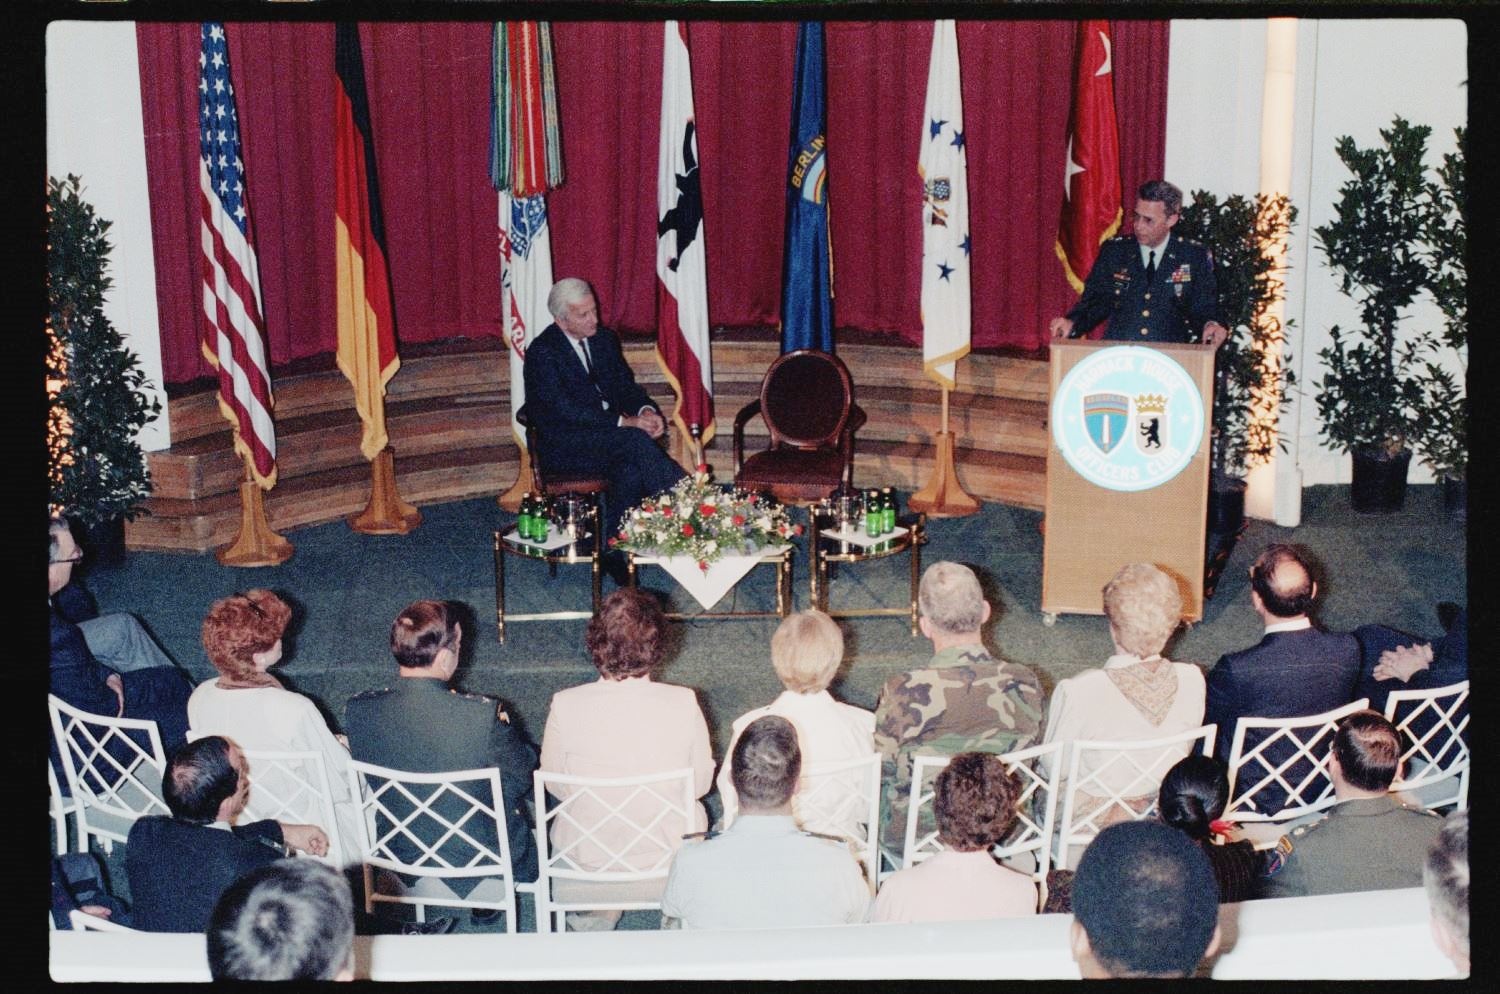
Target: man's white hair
{"type": "Point", "coordinates": [566, 291]}
{"type": "Point", "coordinates": [950, 598]}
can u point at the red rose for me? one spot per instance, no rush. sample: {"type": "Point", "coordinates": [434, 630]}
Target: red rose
{"type": "Point", "coordinates": [738, 519]}
{"type": "Point", "coordinates": [612, 541]}
{"type": "Point", "coordinates": [703, 565]}
{"type": "Point", "coordinates": [666, 510]}
{"type": "Point", "coordinates": [797, 530]}
{"type": "Point", "coordinates": [707, 510]}
{"type": "Point", "coordinates": [703, 467]}
{"type": "Point", "coordinates": [687, 530]}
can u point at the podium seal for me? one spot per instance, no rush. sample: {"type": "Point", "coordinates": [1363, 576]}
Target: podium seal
{"type": "Point", "coordinates": [1127, 418]}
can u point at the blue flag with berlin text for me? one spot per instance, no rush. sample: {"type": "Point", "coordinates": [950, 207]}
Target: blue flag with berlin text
{"type": "Point", "coordinates": [807, 264]}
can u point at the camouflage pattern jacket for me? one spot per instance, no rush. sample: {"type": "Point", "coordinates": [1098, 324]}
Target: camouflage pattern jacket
{"type": "Point", "coordinates": [965, 701]}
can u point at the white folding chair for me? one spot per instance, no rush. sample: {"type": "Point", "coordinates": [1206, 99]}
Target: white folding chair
{"type": "Point", "coordinates": [408, 819]}
{"type": "Point", "coordinates": [293, 787]}
{"type": "Point", "coordinates": [112, 778]}
{"type": "Point", "coordinates": [842, 799]}
{"type": "Point", "coordinates": [59, 808]}
{"type": "Point", "coordinates": [1121, 784]}
{"type": "Point", "coordinates": [1436, 723]}
{"type": "Point", "coordinates": [1292, 758]}
{"type": "Point", "coordinates": [607, 843]}
{"type": "Point", "coordinates": [1036, 810]}
{"type": "Point", "coordinates": [84, 922]}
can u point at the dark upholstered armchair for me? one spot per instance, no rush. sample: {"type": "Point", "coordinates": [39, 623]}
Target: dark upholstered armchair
{"type": "Point", "coordinates": [556, 484]}
{"type": "Point", "coordinates": [807, 402]}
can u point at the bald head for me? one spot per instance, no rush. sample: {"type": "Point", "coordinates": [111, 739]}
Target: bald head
{"type": "Point", "coordinates": [1282, 583]}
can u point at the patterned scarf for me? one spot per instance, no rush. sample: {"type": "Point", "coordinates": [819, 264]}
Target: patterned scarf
{"type": "Point", "coordinates": [1150, 693]}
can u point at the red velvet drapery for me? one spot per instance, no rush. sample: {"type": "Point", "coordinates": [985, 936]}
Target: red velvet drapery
{"type": "Point", "coordinates": [429, 95]}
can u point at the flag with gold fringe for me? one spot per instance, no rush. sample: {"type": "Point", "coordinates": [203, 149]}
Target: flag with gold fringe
{"type": "Point", "coordinates": [1091, 180]}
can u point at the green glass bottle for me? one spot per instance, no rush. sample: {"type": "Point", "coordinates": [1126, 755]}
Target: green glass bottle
{"type": "Point", "coordinates": [873, 518]}
{"type": "Point", "coordinates": [523, 517]}
{"type": "Point", "coordinates": [888, 509]}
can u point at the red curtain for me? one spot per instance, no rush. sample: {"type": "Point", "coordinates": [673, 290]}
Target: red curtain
{"type": "Point", "coordinates": [429, 95]}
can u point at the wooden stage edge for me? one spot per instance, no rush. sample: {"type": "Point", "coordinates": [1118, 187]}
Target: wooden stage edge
{"type": "Point", "coordinates": [448, 417]}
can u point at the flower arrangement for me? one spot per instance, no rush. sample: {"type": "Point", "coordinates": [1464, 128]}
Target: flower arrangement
{"type": "Point", "coordinates": [702, 519]}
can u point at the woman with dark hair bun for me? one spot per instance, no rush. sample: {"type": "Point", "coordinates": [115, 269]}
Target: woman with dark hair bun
{"type": "Point", "coordinates": [1192, 799]}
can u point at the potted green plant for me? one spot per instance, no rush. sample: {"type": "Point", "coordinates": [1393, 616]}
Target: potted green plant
{"type": "Point", "coordinates": [1441, 434]}
{"type": "Point", "coordinates": [1370, 397]}
{"type": "Point", "coordinates": [1251, 374]}
{"type": "Point", "coordinates": [97, 403]}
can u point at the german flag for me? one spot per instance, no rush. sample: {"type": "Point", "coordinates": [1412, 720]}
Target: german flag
{"type": "Point", "coordinates": [366, 317]}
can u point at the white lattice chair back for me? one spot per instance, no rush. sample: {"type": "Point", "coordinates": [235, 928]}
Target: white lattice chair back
{"type": "Point", "coordinates": [1441, 751]}
{"type": "Point", "coordinates": [1036, 809]}
{"type": "Point", "coordinates": [395, 806]}
{"type": "Point", "coordinates": [1302, 774]}
{"type": "Point", "coordinates": [109, 792]}
{"type": "Point", "coordinates": [294, 787]}
{"type": "Point", "coordinates": [607, 842]}
{"type": "Point", "coordinates": [842, 799]}
{"type": "Point", "coordinates": [1120, 782]}
{"type": "Point", "coordinates": [59, 809]}
{"type": "Point", "coordinates": [84, 922]}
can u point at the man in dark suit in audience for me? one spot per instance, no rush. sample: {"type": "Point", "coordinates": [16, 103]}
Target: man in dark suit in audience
{"type": "Point", "coordinates": [178, 866]}
{"type": "Point", "coordinates": [591, 416]}
{"type": "Point", "coordinates": [133, 679]}
{"type": "Point", "coordinates": [1393, 660]}
{"type": "Point", "coordinates": [418, 724]}
{"type": "Point", "coordinates": [1294, 671]}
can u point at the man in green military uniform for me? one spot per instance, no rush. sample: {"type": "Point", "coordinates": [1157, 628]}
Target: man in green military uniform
{"type": "Point", "coordinates": [418, 724]}
{"type": "Point", "coordinates": [1368, 841]}
{"type": "Point", "coordinates": [966, 700]}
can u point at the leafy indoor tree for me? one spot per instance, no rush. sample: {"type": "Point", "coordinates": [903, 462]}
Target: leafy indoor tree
{"type": "Point", "coordinates": [1441, 434]}
{"type": "Point", "coordinates": [96, 389]}
{"type": "Point", "coordinates": [1371, 395]}
{"type": "Point", "coordinates": [1238, 231]}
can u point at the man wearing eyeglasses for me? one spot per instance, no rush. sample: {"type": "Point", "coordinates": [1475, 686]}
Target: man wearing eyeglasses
{"type": "Point", "coordinates": [107, 664]}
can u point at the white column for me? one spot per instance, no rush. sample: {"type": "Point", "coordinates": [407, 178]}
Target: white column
{"type": "Point", "coordinates": [95, 130]}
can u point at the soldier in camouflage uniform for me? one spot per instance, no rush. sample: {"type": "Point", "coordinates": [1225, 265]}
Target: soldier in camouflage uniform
{"type": "Point", "coordinates": [965, 701]}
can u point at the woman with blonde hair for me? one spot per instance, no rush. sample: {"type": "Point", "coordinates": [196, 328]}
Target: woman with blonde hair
{"type": "Point", "coordinates": [805, 653]}
{"type": "Point", "coordinates": [1136, 694]}
{"type": "Point", "coordinates": [242, 635]}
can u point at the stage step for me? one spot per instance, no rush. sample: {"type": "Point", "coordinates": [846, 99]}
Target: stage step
{"type": "Point", "coordinates": [448, 418]}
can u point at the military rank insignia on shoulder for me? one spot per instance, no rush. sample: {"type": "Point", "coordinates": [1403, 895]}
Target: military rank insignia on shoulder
{"type": "Point", "coordinates": [471, 697]}
{"type": "Point", "coordinates": [365, 695]}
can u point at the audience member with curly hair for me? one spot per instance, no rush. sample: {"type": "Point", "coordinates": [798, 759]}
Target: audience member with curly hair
{"type": "Point", "coordinates": [242, 635]}
{"type": "Point", "coordinates": [625, 724]}
{"type": "Point", "coordinates": [975, 799]}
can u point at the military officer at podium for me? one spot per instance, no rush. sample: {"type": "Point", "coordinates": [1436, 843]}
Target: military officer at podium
{"type": "Point", "coordinates": [1152, 287]}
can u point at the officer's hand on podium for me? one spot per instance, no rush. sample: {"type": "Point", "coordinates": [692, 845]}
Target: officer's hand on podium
{"type": "Point", "coordinates": [1214, 334]}
{"type": "Point", "coordinates": [1060, 327]}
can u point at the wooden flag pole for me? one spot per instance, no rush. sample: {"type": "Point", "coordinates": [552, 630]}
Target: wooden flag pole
{"type": "Point", "coordinates": [943, 496]}
{"type": "Point", "coordinates": [256, 544]}
{"type": "Point", "coordinates": [511, 499]}
{"type": "Point", "coordinates": [387, 513]}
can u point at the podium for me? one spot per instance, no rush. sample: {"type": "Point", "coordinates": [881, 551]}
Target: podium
{"type": "Point", "coordinates": [1127, 469]}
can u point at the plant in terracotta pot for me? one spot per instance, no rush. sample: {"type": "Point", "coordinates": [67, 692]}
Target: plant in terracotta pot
{"type": "Point", "coordinates": [1370, 396]}
{"type": "Point", "coordinates": [1251, 373]}
{"type": "Point", "coordinates": [97, 403]}
{"type": "Point", "coordinates": [1441, 432]}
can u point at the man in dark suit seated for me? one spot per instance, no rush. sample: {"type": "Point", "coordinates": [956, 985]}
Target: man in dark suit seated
{"type": "Point", "coordinates": [135, 679]}
{"type": "Point", "coordinates": [178, 866]}
{"type": "Point", "coordinates": [1152, 287]}
{"type": "Point", "coordinates": [418, 724]}
{"type": "Point", "coordinates": [1296, 670]}
{"type": "Point", "coordinates": [591, 416]}
{"type": "Point", "coordinates": [1395, 660]}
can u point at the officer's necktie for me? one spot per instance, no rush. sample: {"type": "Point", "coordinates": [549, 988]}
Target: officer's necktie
{"type": "Point", "coordinates": [1150, 268]}
{"type": "Point", "coordinates": [588, 364]}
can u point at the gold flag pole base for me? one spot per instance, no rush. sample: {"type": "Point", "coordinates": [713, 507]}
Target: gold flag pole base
{"type": "Point", "coordinates": [256, 544]}
{"type": "Point", "coordinates": [943, 496]}
{"type": "Point", "coordinates": [387, 513]}
{"type": "Point", "coordinates": [511, 499]}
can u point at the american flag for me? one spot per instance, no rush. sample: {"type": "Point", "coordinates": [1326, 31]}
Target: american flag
{"type": "Point", "coordinates": [233, 329]}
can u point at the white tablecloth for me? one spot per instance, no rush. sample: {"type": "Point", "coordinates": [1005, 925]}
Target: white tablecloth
{"type": "Point", "coordinates": [708, 588]}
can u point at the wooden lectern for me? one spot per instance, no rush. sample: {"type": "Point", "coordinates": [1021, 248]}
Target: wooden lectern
{"type": "Point", "coordinates": [1133, 484]}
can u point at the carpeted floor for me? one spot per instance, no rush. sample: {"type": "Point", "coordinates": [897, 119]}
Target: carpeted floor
{"type": "Point", "coordinates": [347, 588]}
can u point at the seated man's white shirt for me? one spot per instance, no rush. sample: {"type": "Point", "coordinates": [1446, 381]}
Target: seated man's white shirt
{"type": "Point", "coordinates": [765, 873]}
{"type": "Point", "coordinates": [955, 886]}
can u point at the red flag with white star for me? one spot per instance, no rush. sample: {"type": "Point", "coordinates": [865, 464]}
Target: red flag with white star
{"type": "Point", "coordinates": [1091, 182]}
